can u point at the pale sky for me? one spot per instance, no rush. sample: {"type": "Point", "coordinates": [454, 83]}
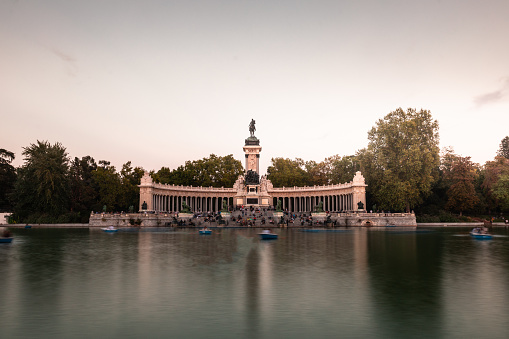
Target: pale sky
{"type": "Point", "coordinates": [162, 82]}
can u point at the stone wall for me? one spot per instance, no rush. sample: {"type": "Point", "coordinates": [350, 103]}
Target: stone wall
{"type": "Point", "coordinates": [342, 219]}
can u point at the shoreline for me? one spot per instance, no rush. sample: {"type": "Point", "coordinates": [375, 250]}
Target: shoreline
{"type": "Point", "coordinates": [419, 225]}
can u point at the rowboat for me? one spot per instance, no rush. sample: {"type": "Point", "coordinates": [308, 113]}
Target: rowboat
{"type": "Point", "coordinates": [267, 235]}
{"type": "Point", "coordinates": [5, 240]}
{"type": "Point", "coordinates": [480, 233]}
{"type": "Point", "coordinates": [110, 229]}
{"type": "Point", "coordinates": [205, 231]}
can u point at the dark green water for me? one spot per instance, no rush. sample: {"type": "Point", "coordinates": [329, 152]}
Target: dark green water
{"type": "Point", "coordinates": [357, 284]}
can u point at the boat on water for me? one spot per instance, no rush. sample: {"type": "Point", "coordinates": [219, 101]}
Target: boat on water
{"type": "Point", "coordinates": [28, 226]}
{"type": "Point", "coordinates": [205, 231]}
{"type": "Point", "coordinates": [267, 235]}
{"type": "Point", "coordinates": [480, 233]}
{"type": "Point", "coordinates": [110, 229]}
{"type": "Point", "coordinates": [6, 236]}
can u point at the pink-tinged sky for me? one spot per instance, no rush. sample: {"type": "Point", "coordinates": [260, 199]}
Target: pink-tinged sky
{"type": "Point", "coordinates": [161, 82]}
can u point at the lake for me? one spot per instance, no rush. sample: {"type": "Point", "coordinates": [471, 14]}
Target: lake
{"type": "Point", "coordinates": [360, 283]}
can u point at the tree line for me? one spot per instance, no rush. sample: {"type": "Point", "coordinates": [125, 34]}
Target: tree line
{"type": "Point", "coordinates": [402, 163]}
{"type": "Point", "coordinates": [50, 187]}
{"type": "Point", "coordinates": [405, 170]}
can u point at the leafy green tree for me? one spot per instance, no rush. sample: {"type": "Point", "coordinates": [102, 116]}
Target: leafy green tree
{"type": "Point", "coordinates": [342, 169]}
{"type": "Point", "coordinates": [7, 179]}
{"type": "Point", "coordinates": [501, 191]}
{"type": "Point", "coordinates": [227, 170]}
{"type": "Point", "coordinates": [402, 158]}
{"type": "Point", "coordinates": [503, 151]}
{"type": "Point", "coordinates": [163, 176]}
{"type": "Point", "coordinates": [461, 194]}
{"type": "Point", "coordinates": [287, 172]}
{"type": "Point", "coordinates": [108, 184]}
{"type": "Point", "coordinates": [130, 192]}
{"type": "Point", "coordinates": [43, 183]}
{"type": "Point", "coordinates": [434, 203]}
{"type": "Point", "coordinates": [83, 188]}
{"type": "Point", "coordinates": [493, 171]}
{"type": "Point", "coordinates": [317, 173]}
{"type": "Point", "coordinates": [215, 171]}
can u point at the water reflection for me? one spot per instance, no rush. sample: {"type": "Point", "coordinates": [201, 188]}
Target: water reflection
{"type": "Point", "coordinates": [357, 283]}
{"type": "Point", "coordinates": [405, 275]}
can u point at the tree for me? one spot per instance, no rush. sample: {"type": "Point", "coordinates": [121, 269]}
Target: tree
{"type": "Point", "coordinates": [7, 179]}
{"type": "Point", "coordinates": [43, 184]}
{"type": "Point", "coordinates": [130, 192]}
{"type": "Point", "coordinates": [83, 188]}
{"type": "Point", "coordinates": [215, 171]}
{"type": "Point", "coordinates": [402, 158]}
{"type": "Point", "coordinates": [287, 172]}
{"type": "Point", "coordinates": [503, 151]}
{"type": "Point", "coordinates": [342, 169]}
{"type": "Point", "coordinates": [317, 173]}
{"type": "Point", "coordinates": [493, 171]}
{"type": "Point", "coordinates": [501, 191]}
{"type": "Point", "coordinates": [108, 184]}
{"type": "Point", "coordinates": [461, 194]}
{"type": "Point", "coordinates": [163, 176]}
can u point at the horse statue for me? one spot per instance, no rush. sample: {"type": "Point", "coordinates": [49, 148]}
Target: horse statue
{"type": "Point", "coordinates": [252, 127]}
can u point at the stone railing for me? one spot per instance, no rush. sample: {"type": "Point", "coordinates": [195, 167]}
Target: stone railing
{"type": "Point", "coordinates": [193, 188]}
{"type": "Point", "coordinates": [310, 188]}
{"type": "Point", "coordinates": [367, 215]}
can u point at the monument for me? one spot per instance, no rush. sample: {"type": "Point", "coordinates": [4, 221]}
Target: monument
{"type": "Point", "coordinates": [345, 202]}
{"type": "Point", "coordinates": [251, 189]}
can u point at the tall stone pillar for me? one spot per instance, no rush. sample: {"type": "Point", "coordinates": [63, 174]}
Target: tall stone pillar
{"type": "Point", "coordinates": [359, 191]}
{"type": "Point", "coordinates": [252, 150]}
{"type": "Point", "coordinates": [146, 192]}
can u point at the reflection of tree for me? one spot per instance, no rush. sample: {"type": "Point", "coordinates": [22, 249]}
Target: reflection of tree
{"type": "Point", "coordinates": [405, 273]}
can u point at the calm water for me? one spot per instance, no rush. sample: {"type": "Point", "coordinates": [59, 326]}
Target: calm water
{"type": "Point", "coordinates": [355, 284]}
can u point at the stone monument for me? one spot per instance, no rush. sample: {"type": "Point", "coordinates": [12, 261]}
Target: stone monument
{"type": "Point", "coordinates": [251, 189]}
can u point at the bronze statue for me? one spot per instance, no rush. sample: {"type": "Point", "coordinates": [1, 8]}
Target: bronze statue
{"type": "Point", "coordinates": [252, 178]}
{"type": "Point", "coordinates": [319, 207]}
{"type": "Point", "coordinates": [252, 127]}
{"type": "Point", "coordinates": [185, 208]}
{"type": "Point", "coordinates": [278, 206]}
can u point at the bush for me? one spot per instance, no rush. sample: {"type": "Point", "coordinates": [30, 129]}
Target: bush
{"type": "Point", "coordinates": [426, 218]}
{"type": "Point", "coordinates": [447, 217]}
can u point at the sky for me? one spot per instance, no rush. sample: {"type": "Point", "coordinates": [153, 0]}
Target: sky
{"type": "Point", "coordinates": [161, 82]}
